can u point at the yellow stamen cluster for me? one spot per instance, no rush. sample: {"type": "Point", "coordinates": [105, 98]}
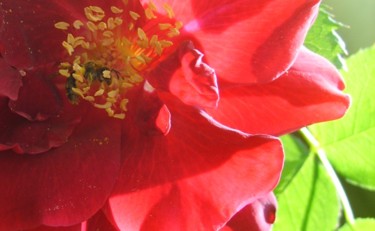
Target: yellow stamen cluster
{"type": "Point", "coordinates": [108, 54]}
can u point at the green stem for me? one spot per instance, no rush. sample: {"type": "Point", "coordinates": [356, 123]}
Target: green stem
{"type": "Point", "coordinates": [315, 146]}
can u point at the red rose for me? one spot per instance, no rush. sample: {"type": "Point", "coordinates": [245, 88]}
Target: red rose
{"type": "Point", "coordinates": [138, 115]}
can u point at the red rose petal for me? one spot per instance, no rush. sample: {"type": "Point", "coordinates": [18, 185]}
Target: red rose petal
{"type": "Point", "coordinates": [309, 92]}
{"type": "Point", "coordinates": [246, 41]}
{"type": "Point", "coordinates": [257, 216]}
{"type": "Point", "coordinates": [65, 185]}
{"type": "Point", "coordinates": [195, 178]}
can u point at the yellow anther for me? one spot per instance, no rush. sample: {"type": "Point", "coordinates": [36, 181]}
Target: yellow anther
{"type": "Point", "coordinates": [107, 42]}
{"type": "Point", "coordinates": [141, 34]}
{"type": "Point", "coordinates": [77, 67]}
{"type": "Point", "coordinates": [70, 39]}
{"type": "Point", "coordinates": [116, 10]}
{"type": "Point", "coordinates": [91, 26]}
{"type": "Point", "coordinates": [165, 26]}
{"type": "Point", "coordinates": [158, 48]}
{"type": "Point", "coordinates": [64, 72]}
{"type": "Point", "coordinates": [169, 10]}
{"type": "Point", "coordinates": [149, 13]}
{"type": "Point", "coordinates": [131, 26]}
{"type": "Point", "coordinates": [153, 40]}
{"type": "Point", "coordinates": [94, 13]}
{"type": "Point", "coordinates": [119, 116]}
{"type": "Point", "coordinates": [178, 25]}
{"type": "Point", "coordinates": [89, 98]}
{"type": "Point", "coordinates": [78, 92]}
{"type": "Point", "coordinates": [77, 24]}
{"type": "Point", "coordinates": [123, 104]}
{"type": "Point", "coordinates": [118, 21]}
{"type": "Point", "coordinates": [152, 5]}
{"type": "Point", "coordinates": [69, 48]}
{"type": "Point", "coordinates": [102, 26]}
{"type": "Point", "coordinates": [79, 42]}
{"type": "Point", "coordinates": [108, 34]}
{"type": "Point", "coordinates": [65, 65]}
{"type": "Point", "coordinates": [173, 32]}
{"type": "Point", "coordinates": [113, 93]}
{"type": "Point", "coordinates": [78, 77]}
{"type": "Point", "coordinates": [103, 106]}
{"type": "Point", "coordinates": [111, 23]}
{"type": "Point", "coordinates": [135, 16]}
{"type": "Point", "coordinates": [99, 92]}
{"type": "Point", "coordinates": [166, 43]}
{"type": "Point", "coordinates": [112, 100]}
{"type": "Point", "coordinates": [62, 25]}
{"type": "Point", "coordinates": [110, 112]}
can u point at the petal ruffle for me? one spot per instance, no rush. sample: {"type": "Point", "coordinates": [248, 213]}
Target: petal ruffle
{"type": "Point", "coordinates": [257, 216]}
{"type": "Point", "coordinates": [309, 92]}
{"type": "Point", "coordinates": [246, 41]}
{"type": "Point", "coordinates": [25, 136]}
{"type": "Point", "coordinates": [186, 76]}
{"type": "Point", "coordinates": [195, 178]}
{"type": "Point", "coordinates": [65, 185]}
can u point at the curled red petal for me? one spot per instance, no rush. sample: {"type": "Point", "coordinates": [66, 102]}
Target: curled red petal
{"type": "Point", "coordinates": [309, 92]}
{"type": "Point", "coordinates": [186, 76]}
{"type": "Point", "coordinates": [196, 177]}
{"type": "Point", "coordinates": [257, 216]}
{"type": "Point", "coordinates": [246, 41]}
{"type": "Point", "coordinates": [65, 185]}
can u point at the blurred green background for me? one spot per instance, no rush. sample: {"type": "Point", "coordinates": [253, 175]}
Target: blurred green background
{"type": "Point", "coordinates": [359, 16]}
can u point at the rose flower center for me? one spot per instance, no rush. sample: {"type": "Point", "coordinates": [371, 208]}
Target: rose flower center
{"type": "Point", "coordinates": [107, 55]}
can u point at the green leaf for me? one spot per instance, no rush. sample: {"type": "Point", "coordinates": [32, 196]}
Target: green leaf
{"type": "Point", "coordinates": [323, 39]}
{"type": "Point", "coordinates": [309, 202]}
{"type": "Point", "coordinates": [361, 224]}
{"type": "Point", "coordinates": [296, 153]}
{"type": "Point", "coordinates": [350, 142]}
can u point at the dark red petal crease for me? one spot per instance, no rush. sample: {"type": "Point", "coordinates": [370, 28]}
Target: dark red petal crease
{"type": "Point", "coordinates": [50, 228]}
{"type": "Point", "coordinates": [195, 178]}
{"type": "Point", "coordinates": [98, 222]}
{"type": "Point", "coordinates": [246, 41]}
{"type": "Point", "coordinates": [10, 80]}
{"type": "Point", "coordinates": [66, 185]}
{"type": "Point", "coordinates": [309, 92]}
